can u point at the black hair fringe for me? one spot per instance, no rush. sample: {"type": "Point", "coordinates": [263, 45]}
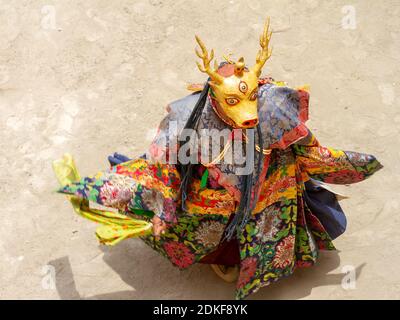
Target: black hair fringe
{"type": "Point", "coordinates": [186, 170]}
{"type": "Point", "coordinates": [246, 206]}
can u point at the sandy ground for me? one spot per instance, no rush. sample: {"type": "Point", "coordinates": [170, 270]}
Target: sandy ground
{"type": "Point", "coordinates": [91, 77]}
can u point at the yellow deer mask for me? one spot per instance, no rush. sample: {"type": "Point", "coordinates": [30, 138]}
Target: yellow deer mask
{"type": "Point", "coordinates": [234, 88]}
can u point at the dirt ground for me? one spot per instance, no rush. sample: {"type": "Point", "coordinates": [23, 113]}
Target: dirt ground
{"type": "Point", "coordinates": [93, 77]}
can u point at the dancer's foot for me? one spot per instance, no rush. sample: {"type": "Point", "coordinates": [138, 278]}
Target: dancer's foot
{"type": "Point", "coordinates": [226, 273]}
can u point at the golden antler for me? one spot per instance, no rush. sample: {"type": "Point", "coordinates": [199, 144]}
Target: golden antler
{"type": "Point", "coordinates": [265, 52]}
{"type": "Point", "coordinates": [206, 62]}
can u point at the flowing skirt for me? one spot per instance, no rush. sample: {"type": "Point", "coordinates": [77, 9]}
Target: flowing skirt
{"type": "Point", "coordinates": [293, 219]}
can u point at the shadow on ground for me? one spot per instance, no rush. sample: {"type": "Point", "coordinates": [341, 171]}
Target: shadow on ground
{"type": "Point", "coordinates": [139, 269]}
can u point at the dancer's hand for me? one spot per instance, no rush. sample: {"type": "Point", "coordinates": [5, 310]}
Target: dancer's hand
{"type": "Point", "coordinates": [159, 227]}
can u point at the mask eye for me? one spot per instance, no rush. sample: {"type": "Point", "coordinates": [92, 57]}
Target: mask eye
{"type": "Point", "coordinates": [243, 86]}
{"type": "Point", "coordinates": [232, 101]}
{"type": "Point", "coordinates": [253, 96]}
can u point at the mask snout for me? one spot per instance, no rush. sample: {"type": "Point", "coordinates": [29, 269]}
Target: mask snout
{"type": "Point", "coordinates": [250, 123]}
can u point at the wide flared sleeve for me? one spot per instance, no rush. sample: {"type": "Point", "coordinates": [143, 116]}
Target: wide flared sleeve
{"type": "Point", "coordinates": [135, 186]}
{"type": "Point", "coordinates": [149, 184]}
{"type": "Point", "coordinates": [283, 112]}
{"type": "Point", "coordinates": [333, 165]}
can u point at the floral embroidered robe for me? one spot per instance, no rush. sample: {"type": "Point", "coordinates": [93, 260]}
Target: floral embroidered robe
{"type": "Point", "coordinates": [282, 234]}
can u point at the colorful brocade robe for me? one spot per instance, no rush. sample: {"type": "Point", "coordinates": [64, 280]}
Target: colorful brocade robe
{"type": "Point", "coordinates": [283, 232]}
